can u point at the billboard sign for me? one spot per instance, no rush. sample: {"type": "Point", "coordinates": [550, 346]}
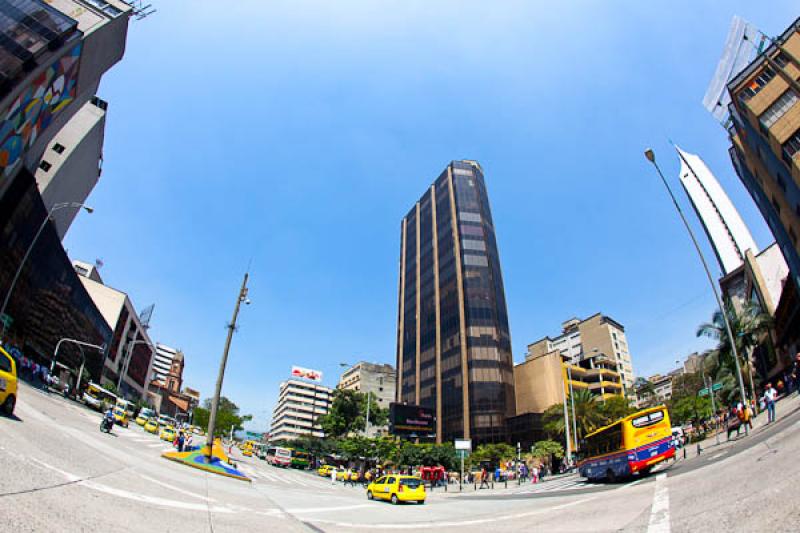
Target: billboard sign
{"type": "Point", "coordinates": [306, 373]}
{"type": "Point", "coordinates": [405, 419]}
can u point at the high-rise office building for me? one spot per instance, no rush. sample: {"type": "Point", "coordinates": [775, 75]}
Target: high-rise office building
{"type": "Point", "coordinates": [453, 343]}
{"type": "Point", "coordinates": [765, 150]}
{"type": "Point", "coordinates": [581, 341]}
{"type": "Point", "coordinates": [723, 225]}
{"type": "Point", "coordinates": [300, 404]}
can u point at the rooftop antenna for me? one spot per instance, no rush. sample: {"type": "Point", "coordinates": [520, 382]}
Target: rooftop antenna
{"type": "Point", "coordinates": [140, 11]}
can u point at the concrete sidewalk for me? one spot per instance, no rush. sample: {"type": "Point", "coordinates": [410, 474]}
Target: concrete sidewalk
{"type": "Point", "coordinates": [783, 408]}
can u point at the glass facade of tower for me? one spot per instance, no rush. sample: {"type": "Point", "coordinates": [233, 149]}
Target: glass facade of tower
{"type": "Point", "coordinates": [452, 320]}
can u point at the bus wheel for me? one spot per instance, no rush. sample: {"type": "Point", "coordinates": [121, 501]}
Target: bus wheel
{"type": "Point", "coordinates": [646, 471]}
{"type": "Point", "coordinates": [610, 476]}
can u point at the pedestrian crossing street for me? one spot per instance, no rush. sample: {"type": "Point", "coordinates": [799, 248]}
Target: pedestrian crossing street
{"type": "Point", "coordinates": [556, 485]}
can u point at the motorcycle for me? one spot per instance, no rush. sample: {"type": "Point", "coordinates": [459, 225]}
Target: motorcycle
{"type": "Point", "coordinates": [106, 425]}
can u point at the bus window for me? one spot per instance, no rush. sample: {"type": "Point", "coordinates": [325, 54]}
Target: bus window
{"type": "Point", "coordinates": [648, 419]}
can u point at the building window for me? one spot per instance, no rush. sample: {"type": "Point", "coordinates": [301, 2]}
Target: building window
{"type": "Point", "coordinates": [58, 148]}
{"type": "Point", "coordinates": [781, 182]}
{"type": "Point", "coordinates": [758, 83]}
{"type": "Point", "coordinates": [778, 108]}
{"type": "Point", "coordinates": [44, 165]}
{"type": "Point", "coordinates": [776, 205]}
{"type": "Point", "coordinates": [105, 7]}
{"type": "Point", "coordinates": [791, 147]}
{"type": "Point", "coordinates": [781, 59]}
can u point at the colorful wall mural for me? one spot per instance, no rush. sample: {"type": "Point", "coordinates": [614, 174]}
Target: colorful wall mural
{"type": "Point", "coordinates": [35, 108]}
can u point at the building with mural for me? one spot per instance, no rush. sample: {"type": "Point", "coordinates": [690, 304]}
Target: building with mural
{"type": "Point", "coordinates": [52, 57]}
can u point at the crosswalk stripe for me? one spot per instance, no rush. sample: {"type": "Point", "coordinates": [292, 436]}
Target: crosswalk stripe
{"type": "Point", "coordinates": [568, 484]}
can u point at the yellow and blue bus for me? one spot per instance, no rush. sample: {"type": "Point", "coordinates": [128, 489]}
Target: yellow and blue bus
{"type": "Point", "coordinates": [634, 444]}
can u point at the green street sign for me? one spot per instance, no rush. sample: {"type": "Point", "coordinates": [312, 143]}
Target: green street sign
{"type": "Point", "coordinates": [715, 387]}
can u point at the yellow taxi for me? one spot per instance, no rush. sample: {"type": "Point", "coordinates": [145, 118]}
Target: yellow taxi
{"type": "Point", "coordinates": [167, 434]}
{"type": "Point", "coordinates": [141, 420]}
{"type": "Point", "coordinates": [325, 470]}
{"type": "Point", "coordinates": [120, 416]}
{"type": "Point", "coordinates": [8, 383]}
{"type": "Point", "coordinates": [151, 426]}
{"type": "Point", "coordinates": [396, 489]}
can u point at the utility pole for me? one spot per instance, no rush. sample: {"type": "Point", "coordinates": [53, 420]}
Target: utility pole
{"type": "Point", "coordinates": [212, 418]}
{"type": "Point", "coordinates": [566, 426]}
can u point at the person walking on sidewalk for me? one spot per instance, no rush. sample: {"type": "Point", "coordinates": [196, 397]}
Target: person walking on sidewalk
{"type": "Point", "coordinates": [769, 399]}
{"type": "Point", "coordinates": [795, 373]}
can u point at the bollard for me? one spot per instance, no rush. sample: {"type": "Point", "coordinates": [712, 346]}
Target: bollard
{"type": "Point", "coordinates": [699, 449]}
{"type": "Point", "coordinates": [476, 485]}
{"type": "Point", "coordinates": [506, 482]}
{"type": "Point", "coordinates": [684, 452]}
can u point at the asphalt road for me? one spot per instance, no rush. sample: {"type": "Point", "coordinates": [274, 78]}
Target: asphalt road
{"type": "Point", "coordinates": [59, 473]}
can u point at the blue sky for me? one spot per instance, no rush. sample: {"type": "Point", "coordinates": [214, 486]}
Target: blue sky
{"type": "Point", "coordinates": [298, 133]}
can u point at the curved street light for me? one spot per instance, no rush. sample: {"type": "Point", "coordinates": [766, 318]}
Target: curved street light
{"type": "Point", "coordinates": [651, 156]}
{"type": "Point", "coordinates": [56, 207]}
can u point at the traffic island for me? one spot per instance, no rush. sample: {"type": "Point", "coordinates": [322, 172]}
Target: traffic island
{"type": "Point", "coordinates": [217, 463]}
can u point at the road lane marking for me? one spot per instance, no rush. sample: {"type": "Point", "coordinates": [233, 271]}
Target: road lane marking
{"type": "Point", "coordinates": [440, 524]}
{"type": "Point", "coordinates": [176, 489]}
{"type": "Point", "coordinates": [659, 513]}
{"type": "Point", "coordinates": [164, 502]}
{"type": "Point", "coordinates": [327, 509]}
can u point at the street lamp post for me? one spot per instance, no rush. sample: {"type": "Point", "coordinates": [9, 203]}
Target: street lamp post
{"type": "Point", "coordinates": [212, 418]}
{"type": "Point", "coordinates": [83, 357]}
{"type": "Point", "coordinates": [650, 155]}
{"type": "Point", "coordinates": [56, 207]}
{"type": "Point", "coordinates": [572, 402]}
{"type": "Point", "coordinates": [127, 362]}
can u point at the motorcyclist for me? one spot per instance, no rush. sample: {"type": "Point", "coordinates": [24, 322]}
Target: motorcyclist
{"type": "Point", "coordinates": [108, 418]}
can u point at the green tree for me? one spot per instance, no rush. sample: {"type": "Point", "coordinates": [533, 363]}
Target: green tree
{"type": "Point", "coordinates": [750, 328]}
{"type": "Point", "coordinates": [553, 421]}
{"type": "Point", "coordinates": [348, 413]}
{"type": "Point", "coordinates": [227, 416]}
{"type": "Point", "coordinates": [690, 408]}
{"type": "Point", "coordinates": [615, 408]}
{"type": "Point", "coordinates": [493, 453]}
{"type": "Point", "coordinates": [545, 450]}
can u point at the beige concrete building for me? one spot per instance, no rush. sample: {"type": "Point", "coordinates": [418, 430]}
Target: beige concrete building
{"type": "Point", "coordinates": [131, 351]}
{"type": "Point", "coordinates": [584, 340]}
{"type": "Point", "coordinates": [546, 379]}
{"type": "Point", "coordinates": [375, 379]}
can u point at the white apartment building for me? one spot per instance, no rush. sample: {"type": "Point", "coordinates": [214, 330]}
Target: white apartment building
{"type": "Point", "coordinates": [300, 404]}
{"type": "Point", "coordinates": [162, 361]}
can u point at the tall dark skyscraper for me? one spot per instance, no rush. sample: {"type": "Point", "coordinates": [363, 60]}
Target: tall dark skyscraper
{"type": "Point", "coordinates": [453, 342]}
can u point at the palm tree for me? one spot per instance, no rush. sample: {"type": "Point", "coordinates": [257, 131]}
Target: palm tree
{"type": "Point", "coordinates": [750, 328]}
{"type": "Point", "coordinates": [588, 415]}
